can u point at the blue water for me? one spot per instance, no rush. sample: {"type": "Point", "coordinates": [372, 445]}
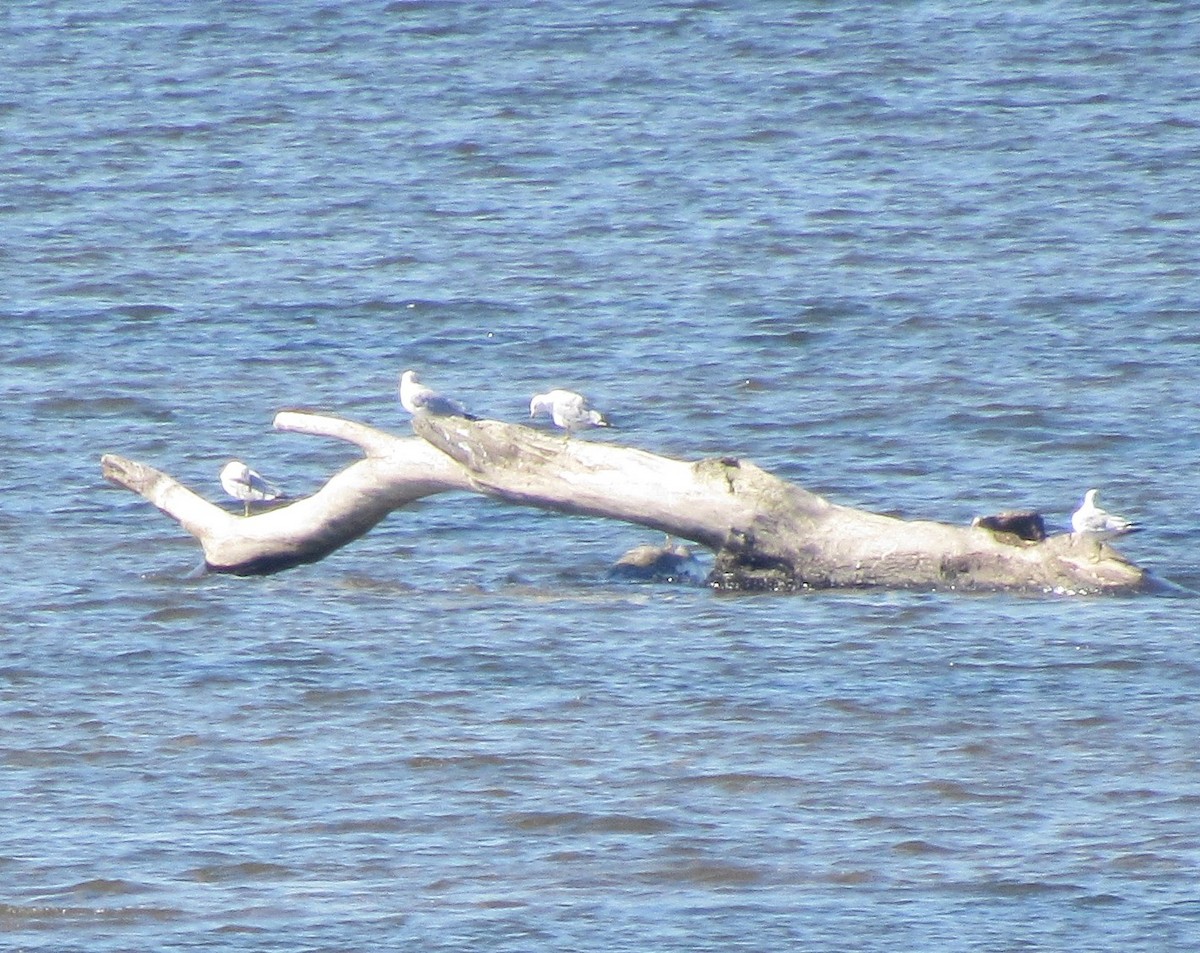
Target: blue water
{"type": "Point", "coordinates": [926, 259]}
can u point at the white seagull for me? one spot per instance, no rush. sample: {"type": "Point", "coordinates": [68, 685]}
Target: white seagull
{"type": "Point", "coordinates": [244, 484]}
{"type": "Point", "coordinates": [415, 396]}
{"type": "Point", "coordinates": [1089, 518]}
{"type": "Point", "coordinates": [568, 410]}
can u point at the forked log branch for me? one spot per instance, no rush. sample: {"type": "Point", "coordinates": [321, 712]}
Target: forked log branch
{"type": "Point", "coordinates": [767, 533]}
{"type": "Point", "coordinates": [393, 473]}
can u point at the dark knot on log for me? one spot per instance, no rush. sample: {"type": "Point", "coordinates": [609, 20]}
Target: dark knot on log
{"type": "Point", "coordinates": [1025, 525]}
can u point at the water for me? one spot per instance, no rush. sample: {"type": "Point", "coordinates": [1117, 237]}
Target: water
{"type": "Point", "coordinates": [937, 260]}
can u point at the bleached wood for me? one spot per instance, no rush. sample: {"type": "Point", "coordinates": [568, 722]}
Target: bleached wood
{"type": "Point", "coordinates": [533, 468]}
{"type": "Point", "coordinates": [395, 472]}
{"type": "Point", "coordinates": [767, 533]}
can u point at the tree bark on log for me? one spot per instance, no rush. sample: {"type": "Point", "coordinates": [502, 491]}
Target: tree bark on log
{"type": "Point", "coordinates": [766, 533]}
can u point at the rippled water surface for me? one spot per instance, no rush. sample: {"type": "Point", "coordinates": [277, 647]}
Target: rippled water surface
{"type": "Point", "coordinates": [926, 259]}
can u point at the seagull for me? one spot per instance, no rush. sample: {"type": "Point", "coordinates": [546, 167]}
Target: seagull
{"type": "Point", "coordinates": [1089, 518]}
{"type": "Point", "coordinates": [247, 485]}
{"type": "Point", "coordinates": [569, 410]}
{"type": "Point", "coordinates": [415, 396]}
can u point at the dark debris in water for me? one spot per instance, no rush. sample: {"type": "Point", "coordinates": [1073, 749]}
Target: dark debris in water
{"type": "Point", "coordinates": [670, 563]}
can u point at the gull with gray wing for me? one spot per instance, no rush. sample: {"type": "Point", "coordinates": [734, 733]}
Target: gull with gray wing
{"type": "Point", "coordinates": [247, 485]}
{"type": "Point", "coordinates": [415, 397]}
{"type": "Point", "coordinates": [568, 410]}
{"type": "Point", "coordinates": [1094, 521]}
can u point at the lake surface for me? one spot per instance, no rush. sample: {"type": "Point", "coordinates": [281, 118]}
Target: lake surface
{"type": "Point", "coordinates": [926, 259]}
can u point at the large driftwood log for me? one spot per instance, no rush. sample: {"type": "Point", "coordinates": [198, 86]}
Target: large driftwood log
{"type": "Point", "coordinates": [767, 534]}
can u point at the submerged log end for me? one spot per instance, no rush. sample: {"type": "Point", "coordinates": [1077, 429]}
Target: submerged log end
{"type": "Point", "coordinates": [1066, 564]}
{"type": "Point", "coordinates": [1092, 565]}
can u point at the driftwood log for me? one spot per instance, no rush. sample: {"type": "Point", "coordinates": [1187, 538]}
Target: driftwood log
{"type": "Point", "coordinates": [766, 533]}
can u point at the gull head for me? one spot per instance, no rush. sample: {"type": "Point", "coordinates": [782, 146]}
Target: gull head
{"type": "Point", "coordinates": [235, 472]}
{"type": "Point", "coordinates": [411, 390]}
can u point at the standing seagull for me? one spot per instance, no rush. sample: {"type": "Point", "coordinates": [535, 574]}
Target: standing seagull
{"type": "Point", "coordinates": [415, 396]}
{"type": "Point", "coordinates": [1089, 518]}
{"type": "Point", "coordinates": [244, 484]}
{"type": "Point", "coordinates": [568, 410]}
